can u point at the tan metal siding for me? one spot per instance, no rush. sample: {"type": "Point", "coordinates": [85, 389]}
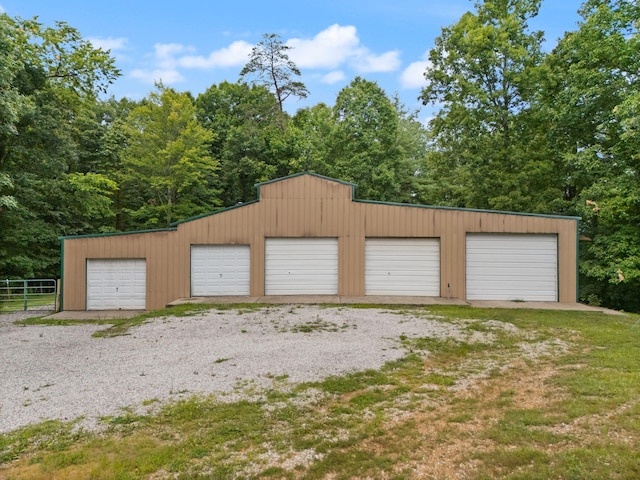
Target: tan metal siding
{"type": "Point", "coordinates": [309, 206]}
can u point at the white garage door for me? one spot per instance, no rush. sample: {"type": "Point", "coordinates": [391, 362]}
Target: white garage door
{"type": "Point", "coordinates": [512, 267]}
{"type": "Point", "coordinates": [116, 284]}
{"type": "Point", "coordinates": [402, 266]}
{"type": "Point", "coordinates": [301, 266]}
{"type": "Point", "coordinates": [219, 270]}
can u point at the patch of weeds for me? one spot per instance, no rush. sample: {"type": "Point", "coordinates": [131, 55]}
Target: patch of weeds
{"type": "Point", "coordinates": [317, 325]}
{"type": "Point", "coordinates": [408, 369]}
{"type": "Point", "coordinates": [127, 419]}
{"type": "Point", "coordinates": [629, 419]}
{"type": "Point", "coordinates": [607, 460]}
{"type": "Point", "coordinates": [516, 429]}
{"type": "Point", "coordinates": [462, 417]}
{"type": "Point", "coordinates": [53, 434]}
{"type": "Point", "coordinates": [369, 398]}
{"type": "Point", "coordinates": [351, 382]}
{"type": "Point", "coordinates": [276, 395]}
{"type": "Point", "coordinates": [502, 460]}
{"type": "Point", "coordinates": [447, 350]}
{"type": "Point", "coordinates": [351, 463]}
{"type": "Point", "coordinates": [221, 360]}
{"type": "Point", "coordinates": [62, 460]}
{"type": "Point", "coordinates": [276, 472]}
{"type": "Point", "coordinates": [439, 379]}
{"type": "Point", "coordinates": [479, 326]}
{"type": "Point", "coordinates": [505, 399]}
{"type": "Point", "coordinates": [531, 417]}
{"type": "Point", "coordinates": [51, 322]}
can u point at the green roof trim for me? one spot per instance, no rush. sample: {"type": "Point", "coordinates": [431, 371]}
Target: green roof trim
{"type": "Point", "coordinates": [215, 212]}
{"type": "Point", "coordinates": [461, 209]}
{"type": "Point", "coordinates": [299, 174]}
{"type": "Point", "coordinates": [116, 234]}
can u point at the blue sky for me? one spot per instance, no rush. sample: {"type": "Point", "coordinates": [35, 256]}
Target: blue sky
{"type": "Point", "coordinates": [191, 45]}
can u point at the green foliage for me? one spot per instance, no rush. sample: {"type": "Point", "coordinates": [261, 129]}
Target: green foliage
{"type": "Point", "coordinates": [244, 124]}
{"type": "Point", "coordinates": [363, 144]}
{"type": "Point", "coordinates": [68, 60]}
{"type": "Point", "coordinates": [594, 95]}
{"type": "Point", "coordinates": [6, 201]}
{"type": "Point", "coordinates": [50, 77]}
{"type": "Point", "coordinates": [168, 161]}
{"type": "Point", "coordinates": [489, 149]}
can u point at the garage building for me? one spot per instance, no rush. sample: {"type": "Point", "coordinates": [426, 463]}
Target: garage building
{"type": "Point", "coordinates": [308, 235]}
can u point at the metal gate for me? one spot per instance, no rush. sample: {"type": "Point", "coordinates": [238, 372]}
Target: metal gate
{"type": "Point", "coordinates": [34, 294]}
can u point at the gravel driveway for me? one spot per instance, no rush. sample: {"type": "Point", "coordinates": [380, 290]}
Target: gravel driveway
{"type": "Point", "coordinates": [62, 372]}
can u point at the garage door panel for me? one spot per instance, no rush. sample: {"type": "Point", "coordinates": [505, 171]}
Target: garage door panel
{"type": "Point", "coordinates": [512, 267]}
{"type": "Point", "coordinates": [301, 266]}
{"type": "Point", "coordinates": [220, 270]}
{"type": "Point", "coordinates": [402, 266]}
{"type": "Point", "coordinates": [116, 284]}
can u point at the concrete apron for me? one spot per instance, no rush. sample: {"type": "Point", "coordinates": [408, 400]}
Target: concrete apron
{"type": "Point", "coordinates": [335, 300]}
{"type": "Point", "coordinates": [394, 300]}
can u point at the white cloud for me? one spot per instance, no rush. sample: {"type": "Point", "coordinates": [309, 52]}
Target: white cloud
{"type": "Point", "coordinates": [235, 54]}
{"type": "Point", "coordinates": [165, 63]}
{"type": "Point", "coordinates": [110, 43]}
{"type": "Point", "coordinates": [339, 45]}
{"type": "Point", "coordinates": [2, 10]}
{"type": "Point", "coordinates": [413, 76]}
{"type": "Point", "coordinates": [166, 53]}
{"type": "Point", "coordinates": [333, 77]}
{"type": "Point", "coordinates": [386, 62]}
{"type": "Point", "coordinates": [328, 49]}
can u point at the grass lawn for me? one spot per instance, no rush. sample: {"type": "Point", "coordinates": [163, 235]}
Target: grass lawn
{"type": "Point", "coordinates": [556, 397]}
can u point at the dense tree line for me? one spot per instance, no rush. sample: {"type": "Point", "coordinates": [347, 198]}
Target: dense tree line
{"type": "Point", "coordinates": [517, 129]}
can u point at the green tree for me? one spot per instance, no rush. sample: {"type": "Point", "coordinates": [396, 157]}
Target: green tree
{"type": "Point", "coordinates": [167, 160]}
{"type": "Point", "coordinates": [310, 130]}
{"type": "Point", "coordinates": [364, 145]}
{"type": "Point", "coordinates": [247, 139]}
{"type": "Point", "coordinates": [488, 147]}
{"type": "Point", "coordinates": [593, 96]}
{"type": "Point", "coordinates": [269, 66]}
{"type": "Point", "coordinates": [50, 77]}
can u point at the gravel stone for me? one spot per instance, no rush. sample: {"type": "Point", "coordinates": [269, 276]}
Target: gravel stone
{"type": "Point", "coordinates": [62, 372]}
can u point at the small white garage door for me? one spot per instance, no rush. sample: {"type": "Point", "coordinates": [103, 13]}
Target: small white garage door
{"type": "Point", "coordinates": [402, 266]}
{"type": "Point", "coordinates": [219, 270]}
{"type": "Point", "coordinates": [116, 284]}
{"type": "Point", "coordinates": [512, 267]}
{"type": "Point", "coordinates": [301, 266]}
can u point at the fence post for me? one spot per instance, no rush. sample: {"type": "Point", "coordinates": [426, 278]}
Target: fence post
{"type": "Point", "coordinates": [56, 301]}
{"type": "Point", "coordinates": [24, 294]}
